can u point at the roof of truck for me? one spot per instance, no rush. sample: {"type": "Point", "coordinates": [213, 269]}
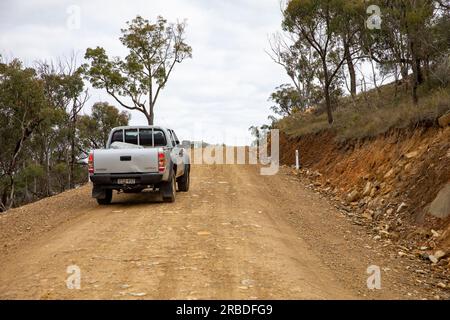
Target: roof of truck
{"type": "Point", "coordinates": [140, 127]}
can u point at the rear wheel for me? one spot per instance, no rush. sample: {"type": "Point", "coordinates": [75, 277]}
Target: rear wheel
{"type": "Point", "coordinates": [169, 189]}
{"type": "Point", "coordinates": [183, 181]}
{"type": "Point", "coordinates": [107, 199]}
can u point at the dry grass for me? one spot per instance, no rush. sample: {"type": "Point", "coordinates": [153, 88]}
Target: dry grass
{"type": "Point", "coordinates": [373, 113]}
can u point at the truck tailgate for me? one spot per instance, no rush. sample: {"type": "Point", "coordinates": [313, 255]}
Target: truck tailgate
{"type": "Point", "coordinates": [126, 160]}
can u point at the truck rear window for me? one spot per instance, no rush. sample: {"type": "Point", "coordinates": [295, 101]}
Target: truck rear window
{"type": "Point", "coordinates": [117, 136]}
{"type": "Point", "coordinates": [145, 137]}
{"type": "Point", "coordinates": [160, 138]}
{"type": "Point", "coordinates": [131, 136]}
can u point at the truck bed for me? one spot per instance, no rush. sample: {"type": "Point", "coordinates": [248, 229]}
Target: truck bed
{"type": "Point", "coordinates": [117, 161]}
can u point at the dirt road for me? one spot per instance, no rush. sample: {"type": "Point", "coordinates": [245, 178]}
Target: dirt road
{"type": "Point", "coordinates": [235, 235]}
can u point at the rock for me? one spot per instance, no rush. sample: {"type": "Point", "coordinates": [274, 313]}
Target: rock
{"type": "Point", "coordinates": [441, 285]}
{"type": "Point", "coordinates": [433, 258]}
{"type": "Point", "coordinates": [439, 254]}
{"type": "Point", "coordinates": [408, 167]}
{"type": "Point", "coordinates": [363, 202]}
{"type": "Point", "coordinates": [367, 215]}
{"type": "Point", "coordinates": [440, 207]}
{"type": "Point", "coordinates": [421, 271]}
{"type": "Point", "coordinates": [377, 213]}
{"type": "Point", "coordinates": [373, 192]}
{"type": "Point", "coordinates": [389, 174]}
{"type": "Point", "coordinates": [137, 294]}
{"type": "Point", "coordinates": [434, 233]}
{"type": "Point", "coordinates": [248, 282]}
{"type": "Point", "coordinates": [401, 207]}
{"type": "Point", "coordinates": [353, 196]}
{"type": "Point", "coordinates": [367, 189]}
{"type": "Point", "coordinates": [444, 121]}
{"type": "Point", "coordinates": [389, 211]}
{"type": "Point", "coordinates": [413, 154]}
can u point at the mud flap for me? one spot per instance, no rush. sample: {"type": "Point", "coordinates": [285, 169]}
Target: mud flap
{"type": "Point", "coordinates": [98, 193]}
{"type": "Point", "coordinates": [165, 187]}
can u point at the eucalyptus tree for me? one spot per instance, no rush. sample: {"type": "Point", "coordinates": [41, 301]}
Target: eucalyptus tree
{"type": "Point", "coordinates": [323, 26]}
{"type": "Point", "coordinates": [23, 107]}
{"type": "Point", "coordinates": [154, 50]}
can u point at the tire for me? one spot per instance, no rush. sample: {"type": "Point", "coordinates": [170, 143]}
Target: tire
{"type": "Point", "coordinates": [184, 180]}
{"type": "Point", "coordinates": [169, 189]}
{"type": "Point", "coordinates": [107, 200]}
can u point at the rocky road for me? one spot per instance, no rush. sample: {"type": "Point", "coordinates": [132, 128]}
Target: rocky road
{"type": "Point", "coordinates": [234, 235]}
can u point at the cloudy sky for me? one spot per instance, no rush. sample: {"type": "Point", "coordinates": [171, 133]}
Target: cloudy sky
{"type": "Point", "coordinates": [216, 95]}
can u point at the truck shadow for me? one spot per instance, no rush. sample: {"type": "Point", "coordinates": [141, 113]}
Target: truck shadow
{"type": "Point", "coordinates": [144, 197]}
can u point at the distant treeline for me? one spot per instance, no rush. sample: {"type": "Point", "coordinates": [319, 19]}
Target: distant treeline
{"type": "Point", "coordinates": [44, 133]}
{"type": "Point", "coordinates": [329, 47]}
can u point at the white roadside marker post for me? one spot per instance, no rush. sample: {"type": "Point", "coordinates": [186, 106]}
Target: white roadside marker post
{"type": "Point", "coordinates": [297, 161]}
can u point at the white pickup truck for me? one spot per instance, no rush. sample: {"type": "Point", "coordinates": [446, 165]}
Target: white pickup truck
{"type": "Point", "coordinates": [138, 158]}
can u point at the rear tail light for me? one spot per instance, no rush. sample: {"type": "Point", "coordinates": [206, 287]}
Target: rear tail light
{"type": "Point", "coordinates": [161, 161]}
{"type": "Point", "coordinates": [91, 163]}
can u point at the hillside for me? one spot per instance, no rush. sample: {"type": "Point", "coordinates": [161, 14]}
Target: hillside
{"type": "Point", "coordinates": [389, 164]}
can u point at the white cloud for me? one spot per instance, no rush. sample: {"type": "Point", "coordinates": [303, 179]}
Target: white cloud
{"type": "Point", "coordinates": [224, 88]}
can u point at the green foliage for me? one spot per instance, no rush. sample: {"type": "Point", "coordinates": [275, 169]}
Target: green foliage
{"type": "Point", "coordinates": [154, 49]}
{"type": "Point", "coordinates": [287, 99]}
{"type": "Point", "coordinates": [94, 129]}
{"type": "Point", "coordinates": [42, 133]}
{"type": "Point", "coordinates": [27, 175]}
{"type": "Point", "coordinates": [23, 107]}
{"type": "Point", "coordinates": [323, 25]}
{"type": "Point", "coordinates": [413, 42]}
{"type": "Point", "coordinates": [373, 114]}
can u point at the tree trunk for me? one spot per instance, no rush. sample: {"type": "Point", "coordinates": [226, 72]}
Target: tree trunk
{"type": "Point", "coordinates": [427, 68]}
{"type": "Point", "coordinates": [4, 199]}
{"type": "Point", "coordinates": [10, 200]}
{"type": "Point", "coordinates": [150, 115]}
{"type": "Point", "coordinates": [328, 104]}
{"type": "Point", "coordinates": [415, 97]}
{"type": "Point", "coordinates": [351, 71]}
{"type": "Point", "coordinates": [415, 81]}
{"type": "Point", "coordinates": [47, 171]}
{"type": "Point", "coordinates": [72, 153]}
{"type": "Point", "coordinates": [404, 73]}
{"type": "Point", "coordinates": [327, 83]}
{"type": "Point", "coordinates": [417, 73]}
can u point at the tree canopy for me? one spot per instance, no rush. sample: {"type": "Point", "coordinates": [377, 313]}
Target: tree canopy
{"type": "Point", "coordinates": [154, 50]}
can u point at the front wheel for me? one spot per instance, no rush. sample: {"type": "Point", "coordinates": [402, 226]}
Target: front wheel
{"type": "Point", "coordinates": [183, 181]}
{"type": "Point", "coordinates": [107, 199]}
